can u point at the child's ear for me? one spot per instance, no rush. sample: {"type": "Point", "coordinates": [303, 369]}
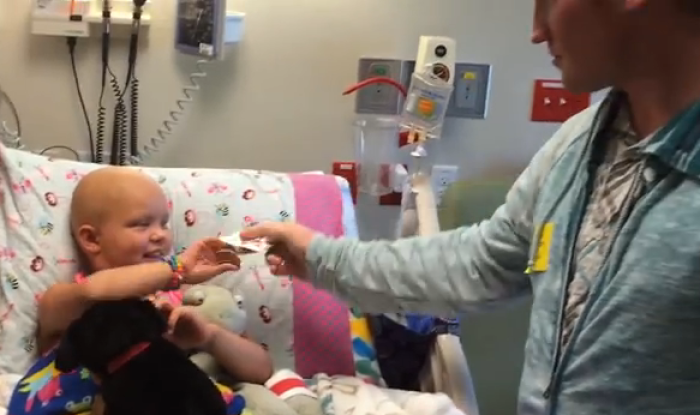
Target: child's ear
{"type": "Point", "coordinates": [87, 239]}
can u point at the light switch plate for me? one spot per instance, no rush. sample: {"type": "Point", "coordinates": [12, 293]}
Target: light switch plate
{"type": "Point", "coordinates": [470, 97]}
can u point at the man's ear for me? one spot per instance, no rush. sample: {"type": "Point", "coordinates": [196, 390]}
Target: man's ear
{"type": "Point", "coordinates": [88, 239]}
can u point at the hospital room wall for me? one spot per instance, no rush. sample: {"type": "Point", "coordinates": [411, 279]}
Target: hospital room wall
{"type": "Point", "coordinates": [275, 103]}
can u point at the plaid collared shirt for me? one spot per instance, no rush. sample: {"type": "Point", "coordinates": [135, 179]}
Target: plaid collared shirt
{"type": "Point", "coordinates": [616, 188]}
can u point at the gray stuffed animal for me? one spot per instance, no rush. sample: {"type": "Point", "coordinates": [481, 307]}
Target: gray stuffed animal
{"type": "Point", "coordinates": [219, 306]}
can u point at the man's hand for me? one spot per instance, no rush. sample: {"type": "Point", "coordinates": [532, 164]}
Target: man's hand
{"type": "Point", "coordinates": [289, 242]}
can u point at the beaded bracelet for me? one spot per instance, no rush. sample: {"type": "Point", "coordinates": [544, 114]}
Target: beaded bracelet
{"type": "Point", "coordinates": [178, 269]}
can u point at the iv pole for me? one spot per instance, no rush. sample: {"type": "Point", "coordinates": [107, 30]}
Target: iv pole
{"type": "Point", "coordinates": [419, 217]}
{"type": "Point", "coordinates": [418, 191]}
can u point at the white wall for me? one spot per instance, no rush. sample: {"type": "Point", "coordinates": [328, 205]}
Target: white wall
{"type": "Point", "coordinates": [275, 103]}
{"type": "Point", "coordinates": [279, 91]}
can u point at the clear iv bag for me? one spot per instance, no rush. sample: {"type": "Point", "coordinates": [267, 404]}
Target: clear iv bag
{"type": "Point", "coordinates": [426, 104]}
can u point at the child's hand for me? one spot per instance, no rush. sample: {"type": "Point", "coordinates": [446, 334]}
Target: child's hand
{"type": "Point", "coordinates": [187, 329]}
{"type": "Point", "coordinates": [201, 263]}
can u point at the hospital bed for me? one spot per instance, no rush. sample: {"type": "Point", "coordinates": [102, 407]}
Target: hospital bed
{"type": "Point", "coordinates": [36, 252]}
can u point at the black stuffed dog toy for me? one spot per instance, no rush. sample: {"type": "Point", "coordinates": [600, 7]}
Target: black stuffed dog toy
{"type": "Point", "coordinates": [140, 372]}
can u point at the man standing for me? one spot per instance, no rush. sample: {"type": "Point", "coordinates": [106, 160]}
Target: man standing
{"type": "Point", "coordinates": [602, 229]}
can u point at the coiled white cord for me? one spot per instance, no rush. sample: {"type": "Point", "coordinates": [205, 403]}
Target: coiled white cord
{"type": "Point", "coordinates": [167, 128]}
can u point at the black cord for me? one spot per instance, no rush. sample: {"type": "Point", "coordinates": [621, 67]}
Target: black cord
{"type": "Point", "coordinates": [119, 155]}
{"type": "Point", "coordinates": [119, 121]}
{"type": "Point", "coordinates": [132, 83]}
{"type": "Point", "coordinates": [102, 110]}
{"type": "Point", "coordinates": [101, 127]}
{"type": "Point", "coordinates": [134, 153]}
{"type": "Point", "coordinates": [119, 127]}
{"type": "Point", "coordinates": [121, 148]}
{"type": "Point", "coordinates": [71, 41]}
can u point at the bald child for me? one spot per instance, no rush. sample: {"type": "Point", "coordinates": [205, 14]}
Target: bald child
{"type": "Point", "coordinates": [120, 223]}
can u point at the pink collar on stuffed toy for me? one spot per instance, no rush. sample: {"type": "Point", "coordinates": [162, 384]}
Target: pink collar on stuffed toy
{"type": "Point", "coordinates": [125, 358]}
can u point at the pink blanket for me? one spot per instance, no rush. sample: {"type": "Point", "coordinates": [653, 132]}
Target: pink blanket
{"type": "Point", "coordinates": [320, 321]}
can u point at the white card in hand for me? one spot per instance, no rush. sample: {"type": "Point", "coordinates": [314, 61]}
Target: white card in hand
{"type": "Point", "coordinates": [245, 247]}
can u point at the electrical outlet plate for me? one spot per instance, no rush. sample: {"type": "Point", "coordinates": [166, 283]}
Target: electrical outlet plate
{"type": "Point", "coordinates": [380, 99]}
{"type": "Point", "coordinates": [471, 94]}
{"type": "Point", "coordinates": [442, 177]}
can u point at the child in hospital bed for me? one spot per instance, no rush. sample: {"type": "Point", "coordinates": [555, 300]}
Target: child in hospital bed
{"type": "Point", "coordinates": [119, 220]}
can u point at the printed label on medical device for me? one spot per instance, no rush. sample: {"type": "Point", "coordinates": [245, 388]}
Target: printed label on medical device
{"type": "Point", "coordinates": [206, 49]}
{"type": "Point", "coordinates": [426, 104]}
{"type": "Point", "coordinates": [245, 247]}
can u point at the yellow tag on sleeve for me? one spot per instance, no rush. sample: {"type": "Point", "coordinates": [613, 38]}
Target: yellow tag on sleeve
{"type": "Point", "coordinates": [540, 263]}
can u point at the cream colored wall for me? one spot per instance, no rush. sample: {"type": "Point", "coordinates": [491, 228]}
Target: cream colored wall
{"type": "Point", "coordinates": [275, 103]}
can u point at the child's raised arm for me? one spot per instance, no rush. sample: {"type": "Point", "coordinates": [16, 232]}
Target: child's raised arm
{"type": "Point", "coordinates": [65, 302]}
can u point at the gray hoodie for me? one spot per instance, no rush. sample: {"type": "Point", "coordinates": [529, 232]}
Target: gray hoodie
{"type": "Point", "coordinates": [636, 347]}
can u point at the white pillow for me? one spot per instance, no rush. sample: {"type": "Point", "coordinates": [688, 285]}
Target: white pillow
{"type": "Point", "coordinates": [36, 250]}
